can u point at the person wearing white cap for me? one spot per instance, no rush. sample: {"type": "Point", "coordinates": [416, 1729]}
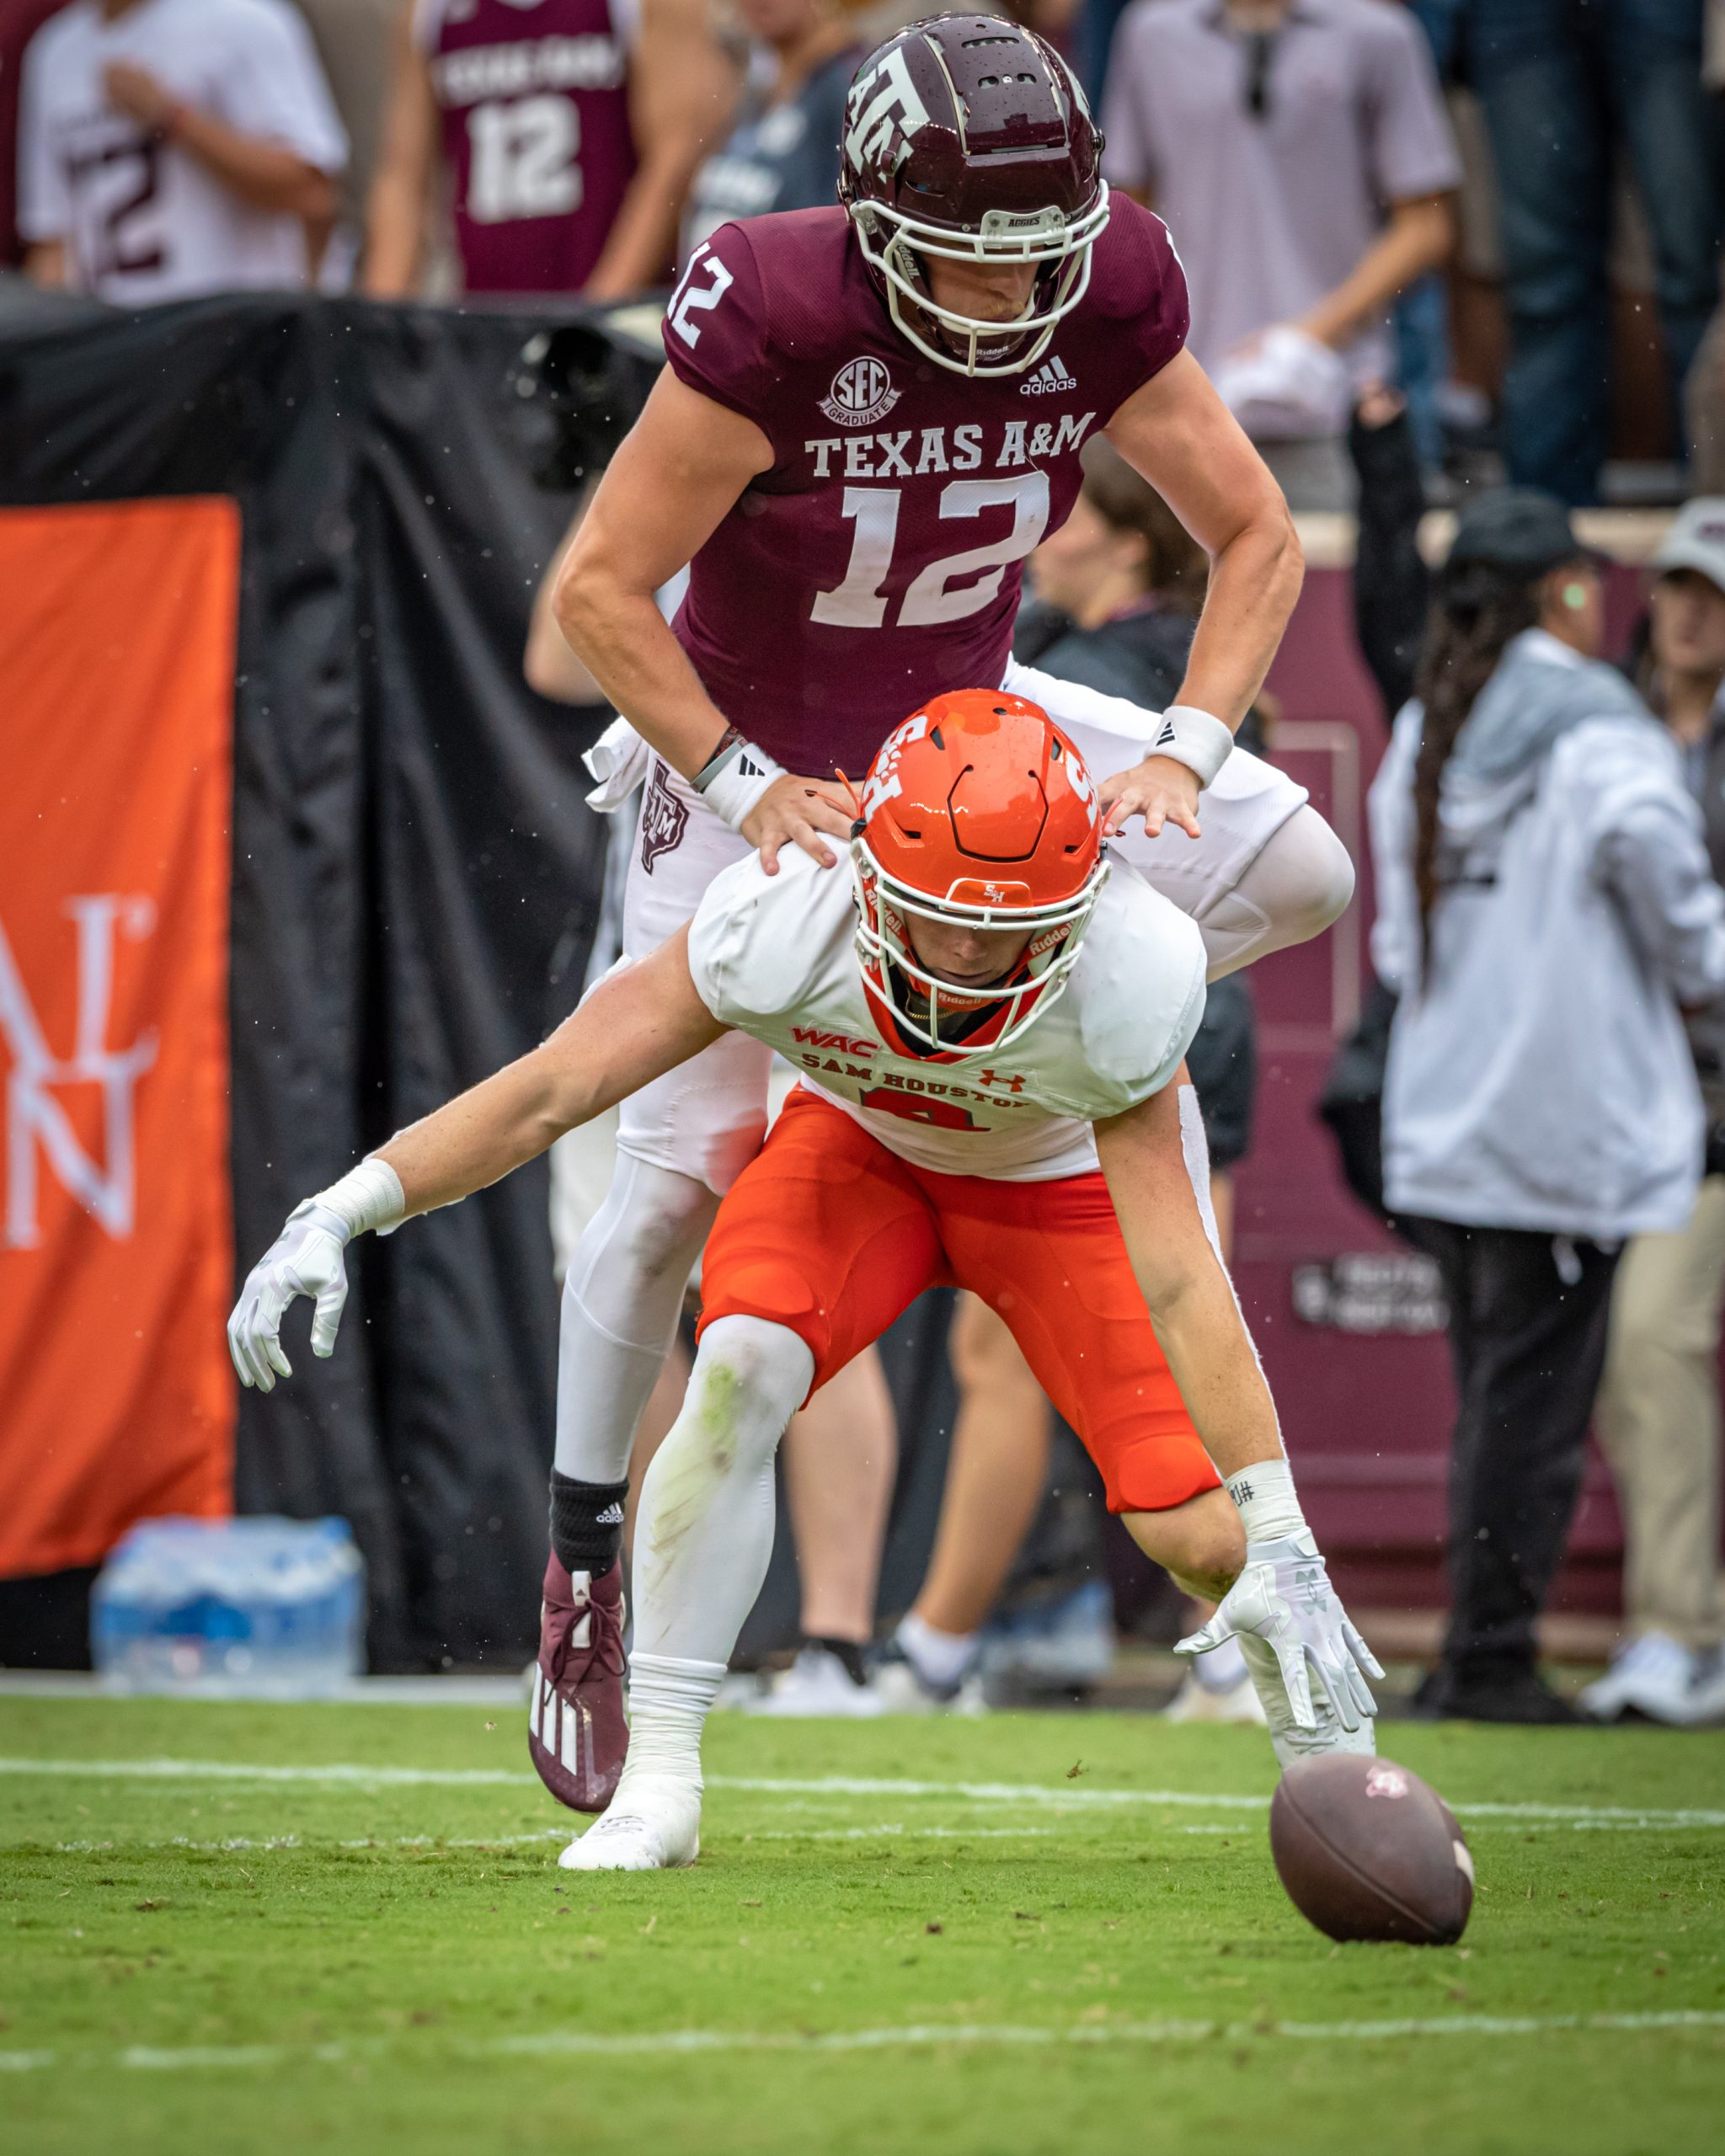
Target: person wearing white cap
{"type": "Point", "coordinates": [1660, 1407]}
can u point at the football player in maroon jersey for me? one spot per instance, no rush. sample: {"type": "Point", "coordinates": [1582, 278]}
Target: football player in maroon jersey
{"type": "Point", "coordinates": [571, 130]}
{"type": "Point", "coordinates": [871, 415]}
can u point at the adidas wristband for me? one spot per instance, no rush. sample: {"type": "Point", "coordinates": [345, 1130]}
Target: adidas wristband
{"type": "Point", "coordinates": [735, 779]}
{"type": "Point", "coordinates": [1193, 738]}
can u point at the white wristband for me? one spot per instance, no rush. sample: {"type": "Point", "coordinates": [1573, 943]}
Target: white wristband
{"type": "Point", "coordinates": [1269, 1510]}
{"type": "Point", "coordinates": [368, 1196]}
{"type": "Point", "coordinates": [735, 780]}
{"type": "Point", "coordinates": [1193, 738]}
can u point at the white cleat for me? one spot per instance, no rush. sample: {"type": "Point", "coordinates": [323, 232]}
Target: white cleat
{"type": "Point", "coordinates": [817, 1683]}
{"type": "Point", "coordinates": [653, 1824]}
{"type": "Point", "coordinates": [1654, 1675]}
{"type": "Point", "coordinates": [1199, 1701]}
{"type": "Point", "coordinates": [902, 1690]}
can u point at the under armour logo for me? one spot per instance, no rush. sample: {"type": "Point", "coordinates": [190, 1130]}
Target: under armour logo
{"type": "Point", "coordinates": [35, 1120]}
{"type": "Point", "coordinates": [1309, 1585]}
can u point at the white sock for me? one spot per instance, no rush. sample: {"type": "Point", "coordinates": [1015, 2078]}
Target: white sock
{"type": "Point", "coordinates": [704, 1534]}
{"type": "Point", "coordinates": [940, 1658]}
{"type": "Point", "coordinates": [1221, 1668]}
{"type": "Point", "coordinates": [1269, 1510]}
{"type": "Point", "coordinates": [669, 1701]}
{"type": "Point", "coordinates": [621, 1298]}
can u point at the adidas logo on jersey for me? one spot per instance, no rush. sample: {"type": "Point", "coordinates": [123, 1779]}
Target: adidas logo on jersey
{"type": "Point", "coordinates": [1048, 379]}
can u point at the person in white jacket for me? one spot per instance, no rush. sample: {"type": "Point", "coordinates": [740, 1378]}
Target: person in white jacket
{"type": "Point", "coordinates": [1546, 914]}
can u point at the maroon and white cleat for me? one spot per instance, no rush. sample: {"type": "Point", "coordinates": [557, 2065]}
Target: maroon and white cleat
{"type": "Point", "coordinates": [577, 1735]}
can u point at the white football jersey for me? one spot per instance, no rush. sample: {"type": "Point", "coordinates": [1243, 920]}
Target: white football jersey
{"type": "Point", "coordinates": [774, 957]}
{"type": "Point", "coordinates": [141, 219]}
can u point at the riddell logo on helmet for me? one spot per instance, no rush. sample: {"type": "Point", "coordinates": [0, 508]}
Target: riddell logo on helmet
{"type": "Point", "coordinates": [861, 392]}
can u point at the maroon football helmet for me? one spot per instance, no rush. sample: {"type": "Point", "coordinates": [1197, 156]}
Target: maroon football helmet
{"type": "Point", "coordinates": [969, 138]}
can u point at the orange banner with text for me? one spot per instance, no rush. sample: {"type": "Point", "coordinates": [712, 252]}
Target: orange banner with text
{"type": "Point", "coordinates": [116, 1262]}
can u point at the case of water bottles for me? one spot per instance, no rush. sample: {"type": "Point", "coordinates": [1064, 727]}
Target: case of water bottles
{"type": "Point", "coordinates": [259, 1609]}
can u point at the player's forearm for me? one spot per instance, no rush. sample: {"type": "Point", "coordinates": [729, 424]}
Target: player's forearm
{"type": "Point", "coordinates": [1147, 1161]}
{"type": "Point", "coordinates": [1254, 581]}
{"type": "Point", "coordinates": [1201, 1334]}
{"type": "Point", "coordinates": [262, 174]}
{"type": "Point", "coordinates": [623, 640]}
{"type": "Point", "coordinates": [486, 1133]}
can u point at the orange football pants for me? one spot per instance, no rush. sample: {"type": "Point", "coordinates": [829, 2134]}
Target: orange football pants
{"type": "Point", "coordinates": [829, 1234]}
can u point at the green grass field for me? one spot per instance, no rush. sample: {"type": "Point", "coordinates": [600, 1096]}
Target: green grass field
{"type": "Point", "coordinates": [240, 1928]}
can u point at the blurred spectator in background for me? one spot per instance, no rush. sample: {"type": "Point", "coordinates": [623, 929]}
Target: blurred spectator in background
{"type": "Point", "coordinates": [1545, 905]}
{"type": "Point", "coordinates": [1119, 590]}
{"type": "Point", "coordinates": [1567, 86]}
{"type": "Point", "coordinates": [354, 39]}
{"type": "Point", "coordinates": [19, 21]}
{"type": "Point", "coordinates": [1300, 152]}
{"type": "Point", "coordinates": [783, 151]}
{"type": "Point", "coordinates": [170, 147]}
{"type": "Point", "coordinates": [568, 130]}
{"type": "Point", "coordinates": [1659, 1420]}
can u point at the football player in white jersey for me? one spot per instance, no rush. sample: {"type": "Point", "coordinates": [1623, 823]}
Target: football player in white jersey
{"type": "Point", "coordinates": [990, 1018]}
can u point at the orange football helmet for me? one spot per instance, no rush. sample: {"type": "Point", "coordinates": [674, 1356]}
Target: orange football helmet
{"type": "Point", "coordinates": [977, 809]}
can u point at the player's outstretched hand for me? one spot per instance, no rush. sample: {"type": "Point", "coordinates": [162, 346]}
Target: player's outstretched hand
{"type": "Point", "coordinates": [304, 1259]}
{"type": "Point", "coordinates": [1283, 1597]}
{"type": "Point", "coordinates": [795, 812]}
{"type": "Point", "coordinates": [1160, 790]}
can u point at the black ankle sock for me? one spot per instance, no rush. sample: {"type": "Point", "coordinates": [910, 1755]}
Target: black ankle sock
{"type": "Point", "coordinates": [845, 1651]}
{"type": "Point", "coordinates": [586, 1523]}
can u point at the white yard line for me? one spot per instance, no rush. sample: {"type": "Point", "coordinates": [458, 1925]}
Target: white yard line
{"type": "Point", "coordinates": [1061, 1797]}
{"type": "Point", "coordinates": [917, 2036]}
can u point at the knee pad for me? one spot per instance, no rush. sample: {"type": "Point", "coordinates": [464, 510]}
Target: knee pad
{"type": "Point", "coordinates": [653, 1222]}
{"type": "Point", "coordinates": [1323, 869]}
{"type": "Point", "coordinates": [748, 1378]}
{"type": "Point", "coordinates": [1300, 883]}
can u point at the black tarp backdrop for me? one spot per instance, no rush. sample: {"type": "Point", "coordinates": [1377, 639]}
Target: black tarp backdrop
{"type": "Point", "coordinates": [415, 884]}
{"type": "Point", "coordinates": [409, 847]}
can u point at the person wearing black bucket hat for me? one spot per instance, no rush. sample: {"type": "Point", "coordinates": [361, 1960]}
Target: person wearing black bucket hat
{"type": "Point", "coordinates": [1546, 906]}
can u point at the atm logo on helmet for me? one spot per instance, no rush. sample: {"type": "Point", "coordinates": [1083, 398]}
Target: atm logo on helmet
{"type": "Point", "coordinates": [886, 103]}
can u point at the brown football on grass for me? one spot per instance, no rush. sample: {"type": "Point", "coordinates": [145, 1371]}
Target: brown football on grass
{"type": "Point", "coordinates": [1368, 1851]}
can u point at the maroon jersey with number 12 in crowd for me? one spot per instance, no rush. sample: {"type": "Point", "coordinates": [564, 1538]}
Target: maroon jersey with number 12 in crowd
{"type": "Point", "coordinates": [536, 130]}
{"type": "Point", "coordinates": [878, 562]}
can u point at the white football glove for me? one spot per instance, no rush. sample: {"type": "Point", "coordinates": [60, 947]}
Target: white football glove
{"type": "Point", "coordinates": [1307, 1661]}
{"type": "Point", "coordinates": [304, 1259]}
